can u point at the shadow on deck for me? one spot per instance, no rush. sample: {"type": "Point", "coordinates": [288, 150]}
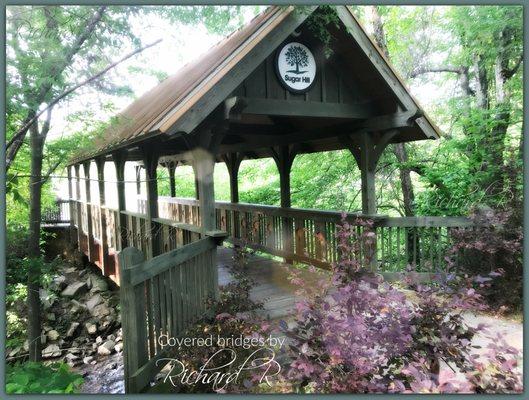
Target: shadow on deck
{"type": "Point", "coordinates": [272, 287]}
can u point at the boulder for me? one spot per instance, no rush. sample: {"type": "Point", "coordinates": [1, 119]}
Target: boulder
{"type": "Point", "coordinates": [98, 284]}
{"type": "Point", "coordinates": [59, 282]}
{"type": "Point", "coordinates": [53, 335]}
{"type": "Point", "coordinates": [106, 348]}
{"type": "Point", "coordinates": [118, 347]}
{"type": "Point", "coordinates": [46, 298]}
{"type": "Point", "coordinates": [52, 350]}
{"type": "Point", "coordinates": [74, 289]}
{"type": "Point", "coordinates": [94, 301]}
{"type": "Point", "coordinates": [72, 330]}
{"type": "Point", "coordinates": [91, 328]}
{"type": "Point", "coordinates": [100, 311]}
{"type": "Point", "coordinates": [50, 317]}
{"type": "Point", "coordinates": [88, 359]}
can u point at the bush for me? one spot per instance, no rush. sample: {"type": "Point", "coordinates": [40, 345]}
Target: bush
{"type": "Point", "coordinates": [496, 245]}
{"type": "Point", "coordinates": [32, 377]}
{"type": "Point", "coordinates": [358, 334]}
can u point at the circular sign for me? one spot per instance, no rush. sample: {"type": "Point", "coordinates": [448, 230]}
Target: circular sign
{"type": "Point", "coordinates": [296, 67]}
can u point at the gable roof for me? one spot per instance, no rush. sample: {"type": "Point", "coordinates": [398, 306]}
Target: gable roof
{"type": "Point", "coordinates": [157, 111]}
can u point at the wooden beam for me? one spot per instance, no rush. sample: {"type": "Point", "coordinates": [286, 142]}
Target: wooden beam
{"type": "Point", "coordinates": [100, 164]}
{"type": "Point", "coordinates": [120, 159]}
{"type": "Point", "coordinates": [233, 162]}
{"type": "Point", "coordinates": [70, 204]}
{"type": "Point", "coordinates": [79, 204]}
{"type": "Point", "coordinates": [171, 167]}
{"type": "Point", "coordinates": [90, 233]}
{"type": "Point", "coordinates": [150, 163]}
{"type": "Point", "coordinates": [240, 64]}
{"type": "Point", "coordinates": [296, 108]}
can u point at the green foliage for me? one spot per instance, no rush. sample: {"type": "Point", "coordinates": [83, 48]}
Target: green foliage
{"type": "Point", "coordinates": [32, 377]}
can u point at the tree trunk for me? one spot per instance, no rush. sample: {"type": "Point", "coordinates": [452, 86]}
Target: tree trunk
{"type": "Point", "coordinates": [399, 149]}
{"type": "Point", "coordinates": [34, 272]}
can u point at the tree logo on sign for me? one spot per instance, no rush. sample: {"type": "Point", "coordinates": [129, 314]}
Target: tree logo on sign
{"type": "Point", "coordinates": [296, 56]}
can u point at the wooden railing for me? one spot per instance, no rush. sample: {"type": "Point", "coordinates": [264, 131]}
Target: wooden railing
{"type": "Point", "coordinates": [161, 296]}
{"type": "Point", "coordinates": [59, 213]}
{"type": "Point", "coordinates": [309, 236]}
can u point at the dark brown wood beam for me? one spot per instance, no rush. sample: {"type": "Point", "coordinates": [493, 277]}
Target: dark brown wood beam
{"type": "Point", "coordinates": [297, 108]}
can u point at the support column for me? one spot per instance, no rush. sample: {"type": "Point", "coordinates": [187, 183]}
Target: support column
{"type": "Point", "coordinates": [150, 163]}
{"type": "Point", "coordinates": [233, 162]}
{"type": "Point", "coordinates": [90, 233]}
{"type": "Point", "coordinates": [119, 162]}
{"type": "Point", "coordinates": [367, 168]}
{"type": "Point", "coordinates": [70, 204]}
{"type": "Point", "coordinates": [78, 208]}
{"type": "Point", "coordinates": [100, 163]}
{"type": "Point", "coordinates": [197, 191]}
{"type": "Point", "coordinates": [138, 186]}
{"type": "Point", "coordinates": [204, 165]}
{"type": "Point", "coordinates": [367, 152]}
{"type": "Point", "coordinates": [171, 168]}
{"type": "Point", "coordinates": [284, 157]}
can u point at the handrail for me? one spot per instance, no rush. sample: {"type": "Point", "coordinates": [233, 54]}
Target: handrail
{"type": "Point", "coordinates": [159, 264]}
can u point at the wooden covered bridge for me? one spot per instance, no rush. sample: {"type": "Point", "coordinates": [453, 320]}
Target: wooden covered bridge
{"type": "Point", "coordinates": [268, 90]}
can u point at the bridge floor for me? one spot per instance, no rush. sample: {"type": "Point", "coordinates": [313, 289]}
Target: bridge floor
{"type": "Point", "coordinates": [272, 286]}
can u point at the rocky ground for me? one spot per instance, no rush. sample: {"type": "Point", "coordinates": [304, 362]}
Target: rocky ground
{"type": "Point", "coordinates": [81, 327]}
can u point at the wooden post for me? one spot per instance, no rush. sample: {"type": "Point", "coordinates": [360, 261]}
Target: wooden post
{"type": "Point", "coordinates": [233, 162]}
{"type": "Point", "coordinates": [100, 163]}
{"type": "Point", "coordinates": [78, 196]}
{"type": "Point", "coordinates": [171, 167]}
{"type": "Point", "coordinates": [133, 320]}
{"type": "Point", "coordinates": [119, 162]}
{"type": "Point", "coordinates": [204, 166]}
{"type": "Point", "coordinates": [284, 157]}
{"type": "Point", "coordinates": [150, 163]}
{"type": "Point", "coordinates": [90, 233]}
{"type": "Point", "coordinates": [197, 191]}
{"type": "Point", "coordinates": [138, 186]}
{"type": "Point", "coordinates": [70, 204]}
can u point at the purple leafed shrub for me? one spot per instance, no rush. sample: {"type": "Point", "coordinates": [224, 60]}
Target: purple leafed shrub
{"type": "Point", "coordinates": [356, 333]}
{"type": "Point", "coordinates": [496, 244]}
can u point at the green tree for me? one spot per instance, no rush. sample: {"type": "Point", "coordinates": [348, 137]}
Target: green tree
{"type": "Point", "coordinates": [50, 51]}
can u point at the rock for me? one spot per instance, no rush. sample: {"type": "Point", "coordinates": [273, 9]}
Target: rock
{"type": "Point", "coordinates": [94, 301]}
{"type": "Point", "coordinates": [106, 348]}
{"type": "Point", "coordinates": [50, 317]}
{"type": "Point", "coordinates": [72, 329]}
{"type": "Point", "coordinates": [118, 347]}
{"type": "Point", "coordinates": [99, 339]}
{"type": "Point", "coordinates": [60, 282]}
{"type": "Point", "coordinates": [88, 360]}
{"type": "Point", "coordinates": [98, 285]}
{"type": "Point", "coordinates": [100, 311]}
{"type": "Point", "coordinates": [74, 289]}
{"type": "Point", "coordinates": [91, 328]}
{"type": "Point", "coordinates": [43, 339]}
{"type": "Point", "coordinates": [111, 337]}
{"type": "Point", "coordinates": [53, 335]}
{"type": "Point", "coordinates": [52, 350]}
{"type": "Point", "coordinates": [110, 366]}
{"type": "Point", "coordinates": [46, 298]}
{"type": "Point", "coordinates": [26, 345]}
{"type": "Point", "coordinates": [71, 357]}
{"type": "Point", "coordinates": [14, 352]}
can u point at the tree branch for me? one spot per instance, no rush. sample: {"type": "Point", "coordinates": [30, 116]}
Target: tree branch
{"type": "Point", "coordinates": [462, 71]}
{"type": "Point", "coordinates": [16, 141]}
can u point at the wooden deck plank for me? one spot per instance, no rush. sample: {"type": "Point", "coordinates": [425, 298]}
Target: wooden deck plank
{"type": "Point", "coordinates": [272, 286]}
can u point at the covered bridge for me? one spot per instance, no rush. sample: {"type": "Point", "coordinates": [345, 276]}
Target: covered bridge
{"type": "Point", "coordinates": [268, 90]}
